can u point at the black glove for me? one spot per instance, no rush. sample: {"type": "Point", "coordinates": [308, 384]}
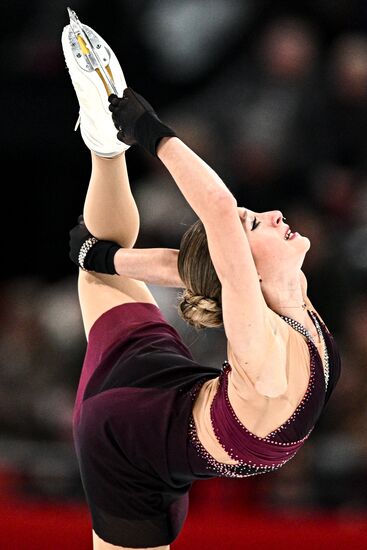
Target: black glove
{"type": "Point", "coordinates": [137, 122]}
{"type": "Point", "coordinates": [89, 253]}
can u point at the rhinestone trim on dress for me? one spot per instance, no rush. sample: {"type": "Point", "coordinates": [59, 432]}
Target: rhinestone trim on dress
{"type": "Point", "coordinates": [306, 333]}
{"type": "Point", "coordinates": [243, 468]}
{"type": "Point", "coordinates": [248, 468]}
{"type": "Point", "coordinates": [325, 362]}
{"type": "Point", "coordinates": [240, 470]}
{"type": "Point", "coordinates": [301, 406]}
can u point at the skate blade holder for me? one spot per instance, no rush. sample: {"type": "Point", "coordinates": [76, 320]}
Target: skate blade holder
{"type": "Point", "coordinates": [89, 53]}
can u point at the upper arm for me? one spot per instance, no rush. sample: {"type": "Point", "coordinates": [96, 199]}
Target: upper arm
{"type": "Point", "coordinates": [244, 308]}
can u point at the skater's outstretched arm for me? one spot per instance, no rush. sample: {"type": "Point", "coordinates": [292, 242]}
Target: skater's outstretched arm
{"type": "Point", "coordinates": [245, 313]}
{"type": "Point", "coordinates": [156, 266]}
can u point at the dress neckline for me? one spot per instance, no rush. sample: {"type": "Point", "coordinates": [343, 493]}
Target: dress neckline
{"type": "Point", "coordinates": [296, 325]}
{"type": "Point", "coordinates": [301, 328]}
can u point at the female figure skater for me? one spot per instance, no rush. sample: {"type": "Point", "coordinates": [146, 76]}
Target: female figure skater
{"type": "Point", "coordinates": [149, 420]}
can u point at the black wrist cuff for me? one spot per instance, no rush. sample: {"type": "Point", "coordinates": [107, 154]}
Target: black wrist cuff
{"type": "Point", "coordinates": [100, 257]}
{"type": "Point", "coordinates": [150, 130]}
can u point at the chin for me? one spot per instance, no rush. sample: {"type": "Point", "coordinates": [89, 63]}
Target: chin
{"type": "Point", "coordinates": [307, 243]}
{"type": "Point", "coordinates": [303, 246]}
{"type": "Point", "coordinates": [302, 242]}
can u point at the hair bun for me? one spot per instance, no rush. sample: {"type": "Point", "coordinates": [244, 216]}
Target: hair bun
{"type": "Point", "coordinates": [200, 311]}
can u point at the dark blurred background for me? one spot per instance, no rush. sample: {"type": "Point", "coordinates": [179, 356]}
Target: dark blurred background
{"type": "Point", "coordinates": [273, 95]}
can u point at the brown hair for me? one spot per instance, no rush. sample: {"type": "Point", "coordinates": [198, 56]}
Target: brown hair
{"type": "Point", "coordinates": [200, 303]}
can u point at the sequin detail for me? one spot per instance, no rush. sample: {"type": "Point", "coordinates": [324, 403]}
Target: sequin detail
{"type": "Point", "coordinates": [306, 333]}
{"type": "Point", "coordinates": [325, 362]}
{"type": "Point", "coordinates": [223, 381]}
{"type": "Point", "coordinates": [240, 470]}
{"type": "Point", "coordinates": [246, 467]}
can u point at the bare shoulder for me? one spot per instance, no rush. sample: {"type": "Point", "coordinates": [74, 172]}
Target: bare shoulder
{"type": "Point", "coordinates": [265, 364]}
{"type": "Point", "coordinates": [275, 331]}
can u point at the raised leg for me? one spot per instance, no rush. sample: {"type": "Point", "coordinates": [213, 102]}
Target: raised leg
{"type": "Point", "coordinates": [110, 211]}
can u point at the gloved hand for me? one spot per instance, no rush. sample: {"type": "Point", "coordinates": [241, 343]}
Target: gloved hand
{"type": "Point", "coordinates": [89, 253]}
{"type": "Point", "coordinates": [137, 122]}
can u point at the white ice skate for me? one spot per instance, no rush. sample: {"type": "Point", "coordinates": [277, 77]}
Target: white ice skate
{"type": "Point", "coordinates": [95, 74]}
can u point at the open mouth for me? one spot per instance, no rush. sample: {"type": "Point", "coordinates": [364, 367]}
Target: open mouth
{"type": "Point", "coordinates": [289, 235]}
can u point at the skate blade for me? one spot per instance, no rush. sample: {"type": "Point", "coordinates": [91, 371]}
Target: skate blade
{"type": "Point", "coordinates": [89, 53]}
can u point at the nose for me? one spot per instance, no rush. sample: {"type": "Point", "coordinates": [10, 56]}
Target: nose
{"type": "Point", "coordinates": [276, 217]}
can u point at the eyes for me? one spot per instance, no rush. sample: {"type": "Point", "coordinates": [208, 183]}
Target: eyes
{"type": "Point", "coordinates": [254, 223]}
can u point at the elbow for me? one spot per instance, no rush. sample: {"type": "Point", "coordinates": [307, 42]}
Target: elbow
{"type": "Point", "coordinates": [219, 204]}
{"type": "Point", "coordinates": [225, 199]}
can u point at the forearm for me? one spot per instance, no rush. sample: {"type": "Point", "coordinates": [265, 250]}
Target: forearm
{"type": "Point", "coordinates": [156, 266]}
{"type": "Point", "coordinates": [199, 183]}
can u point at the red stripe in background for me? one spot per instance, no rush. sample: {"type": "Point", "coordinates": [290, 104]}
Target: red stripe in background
{"type": "Point", "coordinates": [52, 527]}
{"type": "Point", "coordinates": [212, 524]}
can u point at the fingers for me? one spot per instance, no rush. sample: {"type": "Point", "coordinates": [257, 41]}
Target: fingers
{"type": "Point", "coordinates": [116, 121]}
{"type": "Point", "coordinates": [115, 101]}
{"type": "Point", "coordinates": [125, 110]}
{"type": "Point", "coordinates": [116, 107]}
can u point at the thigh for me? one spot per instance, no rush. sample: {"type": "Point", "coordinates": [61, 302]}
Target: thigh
{"type": "Point", "coordinates": [98, 293]}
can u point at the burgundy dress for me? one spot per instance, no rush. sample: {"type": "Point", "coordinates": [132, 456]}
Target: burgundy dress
{"type": "Point", "coordinates": [135, 439]}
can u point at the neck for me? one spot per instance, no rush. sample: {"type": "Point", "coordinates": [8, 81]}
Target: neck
{"type": "Point", "coordinates": [284, 296]}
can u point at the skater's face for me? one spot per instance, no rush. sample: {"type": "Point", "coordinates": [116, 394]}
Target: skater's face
{"type": "Point", "coordinates": [274, 245]}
